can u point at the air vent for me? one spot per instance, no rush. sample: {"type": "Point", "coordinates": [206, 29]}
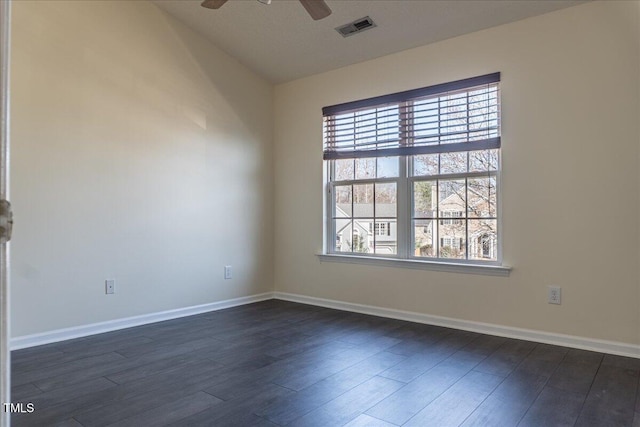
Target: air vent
{"type": "Point", "coordinates": [356, 26]}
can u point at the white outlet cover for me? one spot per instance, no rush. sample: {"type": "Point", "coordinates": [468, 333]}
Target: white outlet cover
{"type": "Point", "coordinates": [554, 295]}
{"type": "Point", "coordinates": [110, 286]}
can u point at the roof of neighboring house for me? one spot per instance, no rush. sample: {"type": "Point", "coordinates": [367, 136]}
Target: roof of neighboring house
{"type": "Point", "coordinates": [455, 201]}
{"type": "Point", "coordinates": [365, 210]}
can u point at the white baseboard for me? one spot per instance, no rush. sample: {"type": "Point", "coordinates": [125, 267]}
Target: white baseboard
{"type": "Point", "coordinates": [610, 347]}
{"type": "Point", "coordinates": [113, 325]}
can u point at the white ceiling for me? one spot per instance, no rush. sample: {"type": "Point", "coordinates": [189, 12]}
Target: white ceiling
{"type": "Point", "coordinates": [281, 42]}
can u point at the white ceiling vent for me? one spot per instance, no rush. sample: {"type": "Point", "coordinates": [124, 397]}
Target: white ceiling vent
{"type": "Point", "coordinates": [356, 26]}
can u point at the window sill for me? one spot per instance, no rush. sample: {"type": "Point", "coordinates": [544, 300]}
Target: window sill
{"type": "Point", "coordinates": [487, 270]}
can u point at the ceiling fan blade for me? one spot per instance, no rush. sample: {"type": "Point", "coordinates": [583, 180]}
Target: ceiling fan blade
{"type": "Point", "coordinates": [213, 4]}
{"type": "Point", "coordinates": [318, 9]}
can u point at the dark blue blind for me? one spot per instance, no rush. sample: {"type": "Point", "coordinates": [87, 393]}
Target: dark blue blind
{"type": "Point", "coordinates": [458, 116]}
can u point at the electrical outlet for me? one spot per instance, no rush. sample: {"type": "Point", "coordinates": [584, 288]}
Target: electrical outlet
{"type": "Point", "coordinates": [554, 295]}
{"type": "Point", "coordinates": [227, 272]}
{"type": "Point", "coordinates": [109, 286]}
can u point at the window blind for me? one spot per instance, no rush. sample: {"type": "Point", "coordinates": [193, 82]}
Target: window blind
{"type": "Point", "coordinates": [457, 116]}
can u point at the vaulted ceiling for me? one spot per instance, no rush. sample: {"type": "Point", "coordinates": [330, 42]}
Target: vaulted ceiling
{"type": "Point", "coordinates": [281, 42]}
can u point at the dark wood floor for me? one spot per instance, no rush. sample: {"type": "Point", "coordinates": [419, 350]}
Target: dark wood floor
{"type": "Point", "coordinates": [281, 363]}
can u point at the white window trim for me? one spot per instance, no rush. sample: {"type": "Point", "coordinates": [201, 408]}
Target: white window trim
{"type": "Point", "coordinates": [453, 267]}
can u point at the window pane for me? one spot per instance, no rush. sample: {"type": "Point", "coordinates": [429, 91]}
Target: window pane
{"type": "Point", "coordinates": [426, 120]}
{"type": "Point", "coordinates": [363, 200]}
{"type": "Point", "coordinates": [425, 164]}
{"type": "Point", "coordinates": [365, 230]}
{"type": "Point", "coordinates": [424, 199]}
{"type": "Point", "coordinates": [424, 238]}
{"type": "Point", "coordinates": [388, 167]}
{"type": "Point", "coordinates": [364, 129]}
{"type": "Point", "coordinates": [360, 238]}
{"type": "Point", "coordinates": [385, 229]}
{"type": "Point", "coordinates": [483, 239]}
{"type": "Point", "coordinates": [453, 162]}
{"type": "Point", "coordinates": [365, 168]}
{"type": "Point", "coordinates": [344, 169]}
{"type": "Point", "coordinates": [453, 117]}
{"type": "Point", "coordinates": [452, 240]}
{"type": "Point", "coordinates": [482, 197]}
{"type": "Point", "coordinates": [343, 228]}
{"type": "Point", "coordinates": [343, 200]}
{"type": "Point", "coordinates": [493, 160]}
{"type": "Point", "coordinates": [451, 226]}
{"type": "Point", "coordinates": [452, 195]}
{"type": "Point", "coordinates": [483, 161]}
{"type": "Point", "coordinates": [385, 236]}
{"type": "Point", "coordinates": [386, 200]}
{"type": "Point", "coordinates": [479, 161]}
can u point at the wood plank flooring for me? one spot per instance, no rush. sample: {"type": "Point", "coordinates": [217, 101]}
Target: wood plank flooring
{"type": "Point", "coordinates": [278, 363]}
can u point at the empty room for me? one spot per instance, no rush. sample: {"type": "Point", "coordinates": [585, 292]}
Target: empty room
{"type": "Point", "coordinates": [320, 213]}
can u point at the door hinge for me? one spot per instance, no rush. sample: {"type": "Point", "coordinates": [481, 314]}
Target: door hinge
{"type": "Point", "coordinates": [6, 221]}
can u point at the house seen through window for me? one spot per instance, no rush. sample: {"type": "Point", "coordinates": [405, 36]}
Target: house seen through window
{"type": "Point", "coordinates": [414, 175]}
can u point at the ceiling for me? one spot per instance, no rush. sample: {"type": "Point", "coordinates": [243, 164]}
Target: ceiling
{"type": "Point", "coordinates": [281, 42]}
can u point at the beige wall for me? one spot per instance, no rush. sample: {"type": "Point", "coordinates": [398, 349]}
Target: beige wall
{"type": "Point", "coordinates": [570, 192]}
{"type": "Point", "coordinates": [140, 152]}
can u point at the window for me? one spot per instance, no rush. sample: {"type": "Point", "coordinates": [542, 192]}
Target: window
{"type": "Point", "coordinates": [451, 214]}
{"type": "Point", "coordinates": [414, 175]}
{"type": "Point", "coordinates": [380, 228]}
